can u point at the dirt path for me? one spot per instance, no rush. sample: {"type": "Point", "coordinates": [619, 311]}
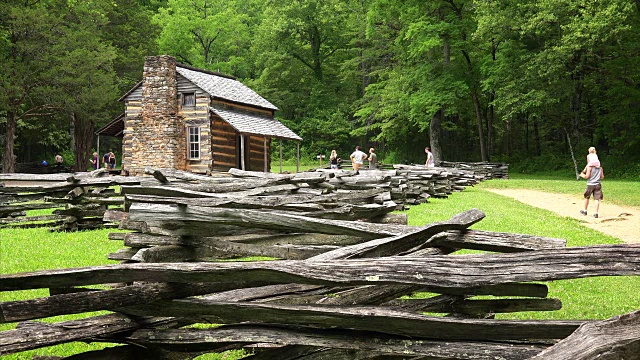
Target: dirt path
{"type": "Point", "coordinates": [621, 222]}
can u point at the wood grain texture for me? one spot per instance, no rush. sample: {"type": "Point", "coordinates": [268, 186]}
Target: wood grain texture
{"type": "Point", "coordinates": [338, 339]}
{"type": "Point", "coordinates": [361, 318]}
{"type": "Point", "coordinates": [617, 338]}
{"type": "Point", "coordinates": [439, 272]}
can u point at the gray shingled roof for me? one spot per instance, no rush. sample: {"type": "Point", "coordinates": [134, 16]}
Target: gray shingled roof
{"type": "Point", "coordinates": [225, 88]}
{"type": "Point", "coordinates": [252, 123]}
{"type": "Point", "coordinates": [114, 128]}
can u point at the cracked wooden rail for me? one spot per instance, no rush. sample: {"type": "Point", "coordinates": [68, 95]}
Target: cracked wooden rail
{"type": "Point", "coordinates": [439, 272]}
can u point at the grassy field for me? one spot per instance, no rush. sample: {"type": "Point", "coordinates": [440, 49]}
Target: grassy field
{"type": "Point", "coordinates": [593, 298]}
{"type": "Point", "coordinates": [23, 250]}
{"type": "Point", "coordinates": [619, 192]}
{"type": "Point", "coordinates": [275, 167]}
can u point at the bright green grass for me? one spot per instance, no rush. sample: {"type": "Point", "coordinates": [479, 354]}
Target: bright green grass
{"type": "Point", "coordinates": [619, 192]}
{"type": "Point", "coordinates": [275, 168]}
{"type": "Point", "coordinates": [590, 298]}
{"type": "Point", "coordinates": [24, 250]}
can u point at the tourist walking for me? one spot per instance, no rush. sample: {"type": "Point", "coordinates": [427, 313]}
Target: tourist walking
{"type": "Point", "coordinates": [105, 160]}
{"type": "Point", "coordinates": [594, 176]}
{"type": "Point", "coordinates": [430, 161]}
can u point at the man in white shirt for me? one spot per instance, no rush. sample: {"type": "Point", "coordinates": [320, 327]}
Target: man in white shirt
{"type": "Point", "coordinates": [357, 158]}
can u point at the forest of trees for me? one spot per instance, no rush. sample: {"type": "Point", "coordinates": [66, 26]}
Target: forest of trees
{"type": "Point", "coordinates": [480, 80]}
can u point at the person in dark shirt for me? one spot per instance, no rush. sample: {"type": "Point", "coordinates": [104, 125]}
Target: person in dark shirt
{"type": "Point", "coordinates": [112, 160]}
{"type": "Point", "coordinates": [105, 160]}
{"type": "Point", "coordinates": [95, 161]}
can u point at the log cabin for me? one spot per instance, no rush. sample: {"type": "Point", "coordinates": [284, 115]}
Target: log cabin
{"type": "Point", "coordinates": [194, 120]}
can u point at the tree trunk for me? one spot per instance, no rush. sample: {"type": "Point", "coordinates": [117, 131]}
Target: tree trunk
{"type": "Point", "coordinates": [434, 135]}
{"type": "Point", "coordinates": [490, 119]}
{"type": "Point", "coordinates": [476, 105]}
{"type": "Point", "coordinates": [536, 134]}
{"type": "Point", "coordinates": [83, 136]}
{"type": "Point", "coordinates": [526, 133]}
{"type": "Point", "coordinates": [491, 116]}
{"type": "Point", "coordinates": [509, 138]}
{"type": "Point", "coordinates": [436, 121]}
{"type": "Point", "coordinates": [9, 158]}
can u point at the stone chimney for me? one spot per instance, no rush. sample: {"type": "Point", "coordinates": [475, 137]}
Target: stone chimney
{"type": "Point", "coordinates": [156, 136]}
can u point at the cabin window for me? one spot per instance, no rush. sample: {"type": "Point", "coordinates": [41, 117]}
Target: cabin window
{"type": "Point", "coordinates": [193, 140]}
{"type": "Point", "coordinates": [189, 99]}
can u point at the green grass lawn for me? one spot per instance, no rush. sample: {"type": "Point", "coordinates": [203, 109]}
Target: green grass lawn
{"type": "Point", "coordinates": [591, 298]}
{"type": "Point", "coordinates": [275, 167]}
{"type": "Point", "coordinates": [23, 250]}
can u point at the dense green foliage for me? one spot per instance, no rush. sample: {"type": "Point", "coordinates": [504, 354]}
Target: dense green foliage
{"type": "Point", "coordinates": [475, 80]}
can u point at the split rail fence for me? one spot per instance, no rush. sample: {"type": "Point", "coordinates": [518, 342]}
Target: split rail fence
{"type": "Point", "coordinates": [81, 199]}
{"type": "Point", "coordinates": [338, 289]}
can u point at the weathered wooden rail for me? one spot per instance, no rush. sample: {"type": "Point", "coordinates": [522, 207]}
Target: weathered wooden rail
{"type": "Point", "coordinates": [338, 289]}
{"type": "Point", "coordinates": [153, 299]}
{"type": "Point", "coordinates": [344, 296]}
{"type": "Point", "coordinates": [486, 169]}
{"type": "Point", "coordinates": [80, 200]}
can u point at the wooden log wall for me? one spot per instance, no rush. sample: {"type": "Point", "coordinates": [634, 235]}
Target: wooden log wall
{"type": "Point", "coordinates": [256, 150]}
{"type": "Point", "coordinates": [224, 145]}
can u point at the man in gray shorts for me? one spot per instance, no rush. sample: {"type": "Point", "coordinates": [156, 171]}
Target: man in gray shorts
{"type": "Point", "coordinates": [594, 176]}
